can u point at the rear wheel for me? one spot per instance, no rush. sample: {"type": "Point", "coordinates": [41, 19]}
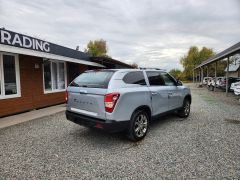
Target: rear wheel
{"type": "Point", "coordinates": [185, 110]}
{"type": "Point", "coordinates": [138, 125]}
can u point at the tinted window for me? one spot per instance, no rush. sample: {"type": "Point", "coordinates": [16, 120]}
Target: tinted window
{"type": "Point", "coordinates": [169, 81]}
{"type": "Point", "coordinates": [134, 78]}
{"type": "Point", "coordinates": [47, 76]}
{"type": "Point", "coordinates": [93, 79]}
{"type": "Point", "coordinates": [9, 74]}
{"type": "Point", "coordinates": [155, 79]}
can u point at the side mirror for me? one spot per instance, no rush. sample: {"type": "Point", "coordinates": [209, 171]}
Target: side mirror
{"type": "Point", "coordinates": [179, 83]}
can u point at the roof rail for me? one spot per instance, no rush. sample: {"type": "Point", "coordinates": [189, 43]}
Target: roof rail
{"type": "Point", "coordinates": [144, 68]}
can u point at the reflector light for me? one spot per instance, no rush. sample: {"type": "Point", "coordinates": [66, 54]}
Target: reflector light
{"type": "Point", "coordinates": [99, 125]}
{"type": "Point", "coordinates": [66, 97]}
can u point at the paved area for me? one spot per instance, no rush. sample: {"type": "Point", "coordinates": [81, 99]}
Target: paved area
{"type": "Point", "coordinates": [204, 146]}
{"type": "Point", "coordinates": [28, 116]}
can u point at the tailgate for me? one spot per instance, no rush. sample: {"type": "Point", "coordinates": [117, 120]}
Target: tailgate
{"type": "Point", "coordinates": [87, 101]}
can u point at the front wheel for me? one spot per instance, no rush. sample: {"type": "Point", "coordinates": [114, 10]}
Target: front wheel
{"type": "Point", "coordinates": [138, 125]}
{"type": "Point", "coordinates": [185, 110]}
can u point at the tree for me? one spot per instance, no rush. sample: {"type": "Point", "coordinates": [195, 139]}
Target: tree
{"type": "Point", "coordinates": [134, 65]}
{"type": "Point", "coordinates": [193, 58]}
{"type": "Point", "coordinates": [97, 48]}
{"type": "Point", "coordinates": [176, 73]}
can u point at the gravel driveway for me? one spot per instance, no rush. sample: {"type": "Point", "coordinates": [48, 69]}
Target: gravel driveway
{"type": "Point", "coordinates": [206, 145]}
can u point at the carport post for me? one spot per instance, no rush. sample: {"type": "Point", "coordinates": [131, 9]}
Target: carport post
{"type": "Point", "coordinates": [215, 76]}
{"type": "Point", "coordinates": [198, 76]}
{"type": "Point", "coordinates": [193, 76]}
{"type": "Point", "coordinates": [207, 71]}
{"type": "Point", "coordinates": [227, 76]}
{"type": "Point", "coordinates": [201, 75]}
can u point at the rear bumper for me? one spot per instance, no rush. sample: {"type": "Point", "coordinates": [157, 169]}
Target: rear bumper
{"type": "Point", "coordinates": [106, 125]}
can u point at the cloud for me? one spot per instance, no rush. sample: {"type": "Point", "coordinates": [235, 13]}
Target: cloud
{"type": "Point", "coordinates": [152, 33]}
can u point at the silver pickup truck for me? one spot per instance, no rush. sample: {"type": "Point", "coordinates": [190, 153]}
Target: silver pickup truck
{"type": "Point", "coordinates": [125, 99]}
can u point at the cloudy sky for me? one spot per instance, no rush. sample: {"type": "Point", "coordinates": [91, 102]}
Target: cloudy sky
{"type": "Point", "coordinates": [151, 33]}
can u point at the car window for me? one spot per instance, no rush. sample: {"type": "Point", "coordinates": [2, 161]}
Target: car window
{"type": "Point", "coordinates": [135, 78]}
{"type": "Point", "coordinates": [93, 79]}
{"type": "Point", "coordinates": [155, 79]}
{"type": "Point", "coordinates": [169, 81]}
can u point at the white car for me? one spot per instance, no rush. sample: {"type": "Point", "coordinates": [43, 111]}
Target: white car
{"type": "Point", "coordinates": [125, 99]}
{"type": "Point", "coordinates": [237, 89]}
{"type": "Point", "coordinates": [234, 85]}
{"type": "Point", "coordinates": [205, 80]}
{"type": "Point", "coordinates": [211, 83]}
{"type": "Point", "coordinates": [221, 81]}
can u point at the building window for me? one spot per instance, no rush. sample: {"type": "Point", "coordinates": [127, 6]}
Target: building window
{"type": "Point", "coordinates": [9, 76]}
{"type": "Point", "coordinates": [54, 76]}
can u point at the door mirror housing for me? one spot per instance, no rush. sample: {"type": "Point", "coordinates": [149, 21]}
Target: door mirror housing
{"type": "Point", "coordinates": [179, 83]}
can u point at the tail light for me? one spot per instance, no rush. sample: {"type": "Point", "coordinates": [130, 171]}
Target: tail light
{"type": "Point", "coordinates": [110, 101]}
{"type": "Point", "coordinates": [66, 97]}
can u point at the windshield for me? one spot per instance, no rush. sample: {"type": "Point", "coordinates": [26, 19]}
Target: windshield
{"type": "Point", "coordinates": [93, 79]}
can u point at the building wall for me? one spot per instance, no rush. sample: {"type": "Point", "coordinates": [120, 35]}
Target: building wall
{"type": "Point", "coordinates": [234, 74]}
{"type": "Point", "coordinates": [32, 90]}
{"type": "Point", "coordinates": [32, 95]}
{"type": "Point", "coordinates": [74, 70]}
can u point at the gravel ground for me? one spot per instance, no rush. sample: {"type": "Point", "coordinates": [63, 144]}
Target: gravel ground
{"type": "Point", "coordinates": [204, 146]}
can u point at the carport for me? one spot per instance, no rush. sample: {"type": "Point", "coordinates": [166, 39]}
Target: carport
{"type": "Point", "coordinates": [226, 54]}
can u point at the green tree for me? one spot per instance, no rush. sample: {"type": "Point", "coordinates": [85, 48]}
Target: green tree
{"type": "Point", "coordinates": [176, 73]}
{"type": "Point", "coordinates": [97, 48]}
{"type": "Point", "coordinates": [134, 65]}
{"type": "Point", "coordinates": [193, 58]}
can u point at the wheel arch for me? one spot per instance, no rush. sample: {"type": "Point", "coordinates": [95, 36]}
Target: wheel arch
{"type": "Point", "coordinates": [189, 97]}
{"type": "Point", "coordinates": [145, 108]}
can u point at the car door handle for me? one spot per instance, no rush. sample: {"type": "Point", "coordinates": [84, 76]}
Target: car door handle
{"type": "Point", "coordinates": [170, 95]}
{"type": "Point", "coordinates": [154, 93]}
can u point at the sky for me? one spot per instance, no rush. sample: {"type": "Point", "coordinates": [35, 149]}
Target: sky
{"type": "Point", "coordinates": [151, 33]}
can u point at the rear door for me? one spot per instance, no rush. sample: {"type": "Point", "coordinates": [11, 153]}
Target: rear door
{"type": "Point", "coordinates": [86, 93]}
{"type": "Point", "coordinates": [159, 92]}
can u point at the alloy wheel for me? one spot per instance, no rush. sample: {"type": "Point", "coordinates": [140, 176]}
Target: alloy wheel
{"type": "Point", "coordinates": [141, 125]}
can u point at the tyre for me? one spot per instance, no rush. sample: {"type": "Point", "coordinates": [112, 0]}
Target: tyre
{"type": "Point", "coordinates": [212, 88]}
{"type": "Point", "coordinates": [185, 110]}
{"type": "Point", "coordinates": [138, 126]}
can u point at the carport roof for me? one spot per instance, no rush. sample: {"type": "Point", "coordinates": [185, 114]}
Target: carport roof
{"type": "Point", "coordinates": [227, 52]}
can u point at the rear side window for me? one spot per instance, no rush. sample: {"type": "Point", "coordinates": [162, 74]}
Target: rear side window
{"type": "Point", "coordinates": [93, 79]}
{"type": "Point", "coordinates": [155, 78]}
{"type": "Point", "coordinates": [134, 78]}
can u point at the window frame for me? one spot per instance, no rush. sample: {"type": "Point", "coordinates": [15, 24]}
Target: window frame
{"type": "Point", "coordinates": [17, 73]}
{"type": "Point", "coordinates": [159, 73]}
{"type": "Point", "coordinates": [51, 68]}
{"type": "Point", "coordinates": [170, 78]}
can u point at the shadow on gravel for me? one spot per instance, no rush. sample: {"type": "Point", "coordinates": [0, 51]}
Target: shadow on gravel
{"type": "Point", "coordinates": [232, 121]}
{"type": "Point", "coordinates": [98, 137]}
{"type": "Point", "coordinates": [157, 122]}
